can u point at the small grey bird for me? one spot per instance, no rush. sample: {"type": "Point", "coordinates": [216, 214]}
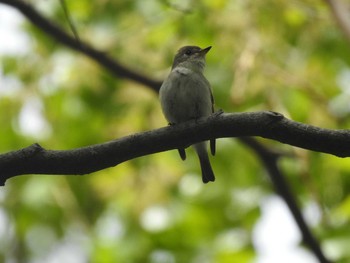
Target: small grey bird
{"type": "Point", "coordinates": [186, 95]}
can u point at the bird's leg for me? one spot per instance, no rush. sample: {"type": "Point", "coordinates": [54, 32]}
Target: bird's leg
{"type": "Point", "coordinates": [213, 141]}
{"type": "Point", "coordinates": [217, 113]}
{"type": "Point", "coordinates": [181, 151]}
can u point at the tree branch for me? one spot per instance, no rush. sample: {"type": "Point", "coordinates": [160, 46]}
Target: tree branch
{"type": "Point", "coordinates": [57, 33]}
{"type": "Point", "coordinates": [270, 159]}
{"type": "Point", "coordinates": [36, 160]}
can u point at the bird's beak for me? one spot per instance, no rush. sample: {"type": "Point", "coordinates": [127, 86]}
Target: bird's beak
{"type": "Point", "coordinates": [205, 50]}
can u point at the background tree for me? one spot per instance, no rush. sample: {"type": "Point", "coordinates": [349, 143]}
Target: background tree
{"type": "Point", "coordinates": [285, 57]}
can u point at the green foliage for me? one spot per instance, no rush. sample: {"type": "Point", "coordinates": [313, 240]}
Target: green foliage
{"type": "Point", "coordinates": [266, 55]}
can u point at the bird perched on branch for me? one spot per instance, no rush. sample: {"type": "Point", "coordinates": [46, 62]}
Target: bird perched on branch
{"type": "Point", "coordinates": [186, 95]}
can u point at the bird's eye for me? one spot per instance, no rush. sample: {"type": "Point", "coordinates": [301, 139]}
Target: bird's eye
{"type": "Point", "coordinates": [188, 52]}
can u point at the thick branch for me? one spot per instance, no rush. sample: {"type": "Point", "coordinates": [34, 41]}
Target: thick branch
{"type": "Point", "coordinates": [57, 33]}
{"type": "Point", "coordinates": [36, 160]}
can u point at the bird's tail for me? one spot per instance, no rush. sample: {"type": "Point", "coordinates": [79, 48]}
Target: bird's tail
{"type": "Point", "coordinates": [207, 171]}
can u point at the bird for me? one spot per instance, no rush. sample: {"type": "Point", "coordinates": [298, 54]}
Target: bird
{"type": "Point", "coordinates": [186, 95]}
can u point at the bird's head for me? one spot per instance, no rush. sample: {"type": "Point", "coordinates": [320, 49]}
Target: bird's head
{"type": "Point", "coordinates": [191, 57]}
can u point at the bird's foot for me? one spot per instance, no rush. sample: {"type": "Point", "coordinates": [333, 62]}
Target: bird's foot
{"type": "Point", "coordinates": [218, 112]}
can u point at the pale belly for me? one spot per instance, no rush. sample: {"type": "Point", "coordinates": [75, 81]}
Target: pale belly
{"type": "Point", "coordinates": [183, 99]}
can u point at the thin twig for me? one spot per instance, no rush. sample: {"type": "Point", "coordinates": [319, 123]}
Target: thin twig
{"type": "Point", "coordinates": [70, 21]}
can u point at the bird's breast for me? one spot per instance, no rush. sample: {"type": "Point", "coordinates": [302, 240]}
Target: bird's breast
{"type": "Point", "coordinates": [185, 95]}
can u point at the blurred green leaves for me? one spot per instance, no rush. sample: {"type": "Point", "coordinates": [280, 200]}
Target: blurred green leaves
{"type": "Point", "coordinates": [267, 55]}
